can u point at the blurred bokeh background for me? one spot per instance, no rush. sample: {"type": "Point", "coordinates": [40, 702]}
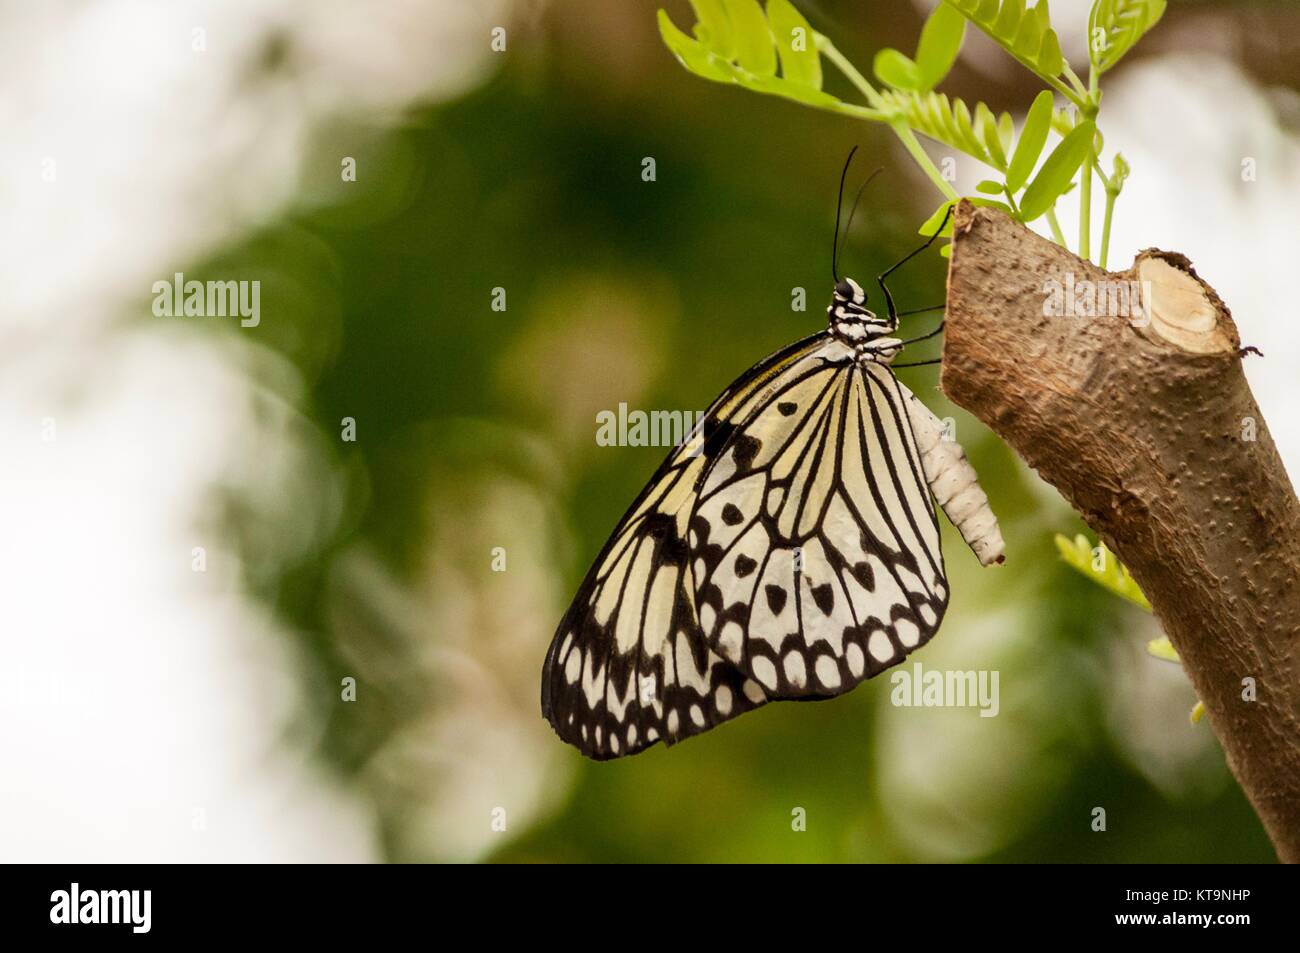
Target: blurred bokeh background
{"type": "Point", "coordinates": [283, 592]}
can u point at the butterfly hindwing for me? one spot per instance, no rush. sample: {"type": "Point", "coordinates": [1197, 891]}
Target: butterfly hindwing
{"type": "Point", "coordinates": [814, 541]}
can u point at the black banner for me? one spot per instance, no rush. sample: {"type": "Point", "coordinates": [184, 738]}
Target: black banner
{"type": "Point", "coordinates": [136, 904]}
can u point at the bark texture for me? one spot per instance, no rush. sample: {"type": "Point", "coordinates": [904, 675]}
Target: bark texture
{"type": "Point", "coordinates": [1152, 434]}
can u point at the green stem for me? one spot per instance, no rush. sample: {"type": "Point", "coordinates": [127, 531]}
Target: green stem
{"type": "Point", "coordinates": [1085, 179]}
{"type": "Point", "coordinates": [1065, 91]}
{"type": "Point", "coordinates": [1102, 176]}
{"type": "Point", "coordinates": [1056, 228]}
{"type": "Point", "coordinates": [1077, 83]}
{"type": "Point", "coordinates": [1111, 195]}
{"type": "Point", "coordinates": [877, 112]}
{"type": "Point", "coordinates": [982, 160]}
{"type": "Point", "coordinates": [850, 71]}
{"type": "Point", "coordinates": [857, 112]}
{"type": "Point", "coordinates": [905, 135]}
{"type": "Point", "coordinates": [1085, 210]}
{"type": "Point", "coordinates": [1011, 200]}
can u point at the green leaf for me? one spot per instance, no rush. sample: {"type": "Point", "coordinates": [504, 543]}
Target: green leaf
{"type": "Point", "coordinates": [928, 227]}
{"type": "Point", "coordinates": [693, 54]}
{"type": "Point", "coordinates": [714, 27]}
{"type": "Point", "coordinates": [965, 128]}
{"type": "Point", "coordinates": [754, 48]}
{"type": "Point", "coordinates": [1050, 60]}
{"type": "Point", "coordinates": [1006, 131]}
{"type": "Point", "coordinates": [1163, 649]}
{"type": "Point", "coordinates": [1063, 120]}
{"type": "Point", "coordinates": [1025, 34]}
{"type": "Point", "coordinates": [1080, 554]}
{"type": "Point", "coordinates": [1029, 35]}
{"type": "Point", "coordinates": [1058, 171]}
{"type": "Point", "coordinates": [894, 69]}
{"type": "Point", "coordinates": [799, 92]}
{"type": "Point", "coordinates": [939, 45]}
{"type": "Point", "coordinates": [1115, 26]}
{"type": "Point", "coordinates": [989, 187]}
{"type": "Point", "coordinates": [950, 122]}
{"type": "Point", "coordinates": [1008, 19]}
{"type": "Point", "coordinates": [987, 129]}
{"type": "Point", "coordinates": [702, 61]}
{"type": "Point", "coordinates": [795, 44]}
{"type": "Point", "coordinates": [935, 53]}
{"type": "Point", "coordinates": [1119, 171]}
{"type": "Point", "coordinates": [1033, 136]}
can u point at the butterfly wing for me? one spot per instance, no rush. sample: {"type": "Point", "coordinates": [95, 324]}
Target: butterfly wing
{"type": "Point", "coordinates": [629, 665]}
{"type": "Point", "coordinates": [814, 541]}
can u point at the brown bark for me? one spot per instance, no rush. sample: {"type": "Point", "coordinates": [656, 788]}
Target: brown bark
{"type": "Point", "coordinates": [1147, 432]}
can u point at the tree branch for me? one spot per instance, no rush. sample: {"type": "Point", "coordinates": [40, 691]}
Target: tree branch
{"type": "Point", "coordinates": [1152, 434]}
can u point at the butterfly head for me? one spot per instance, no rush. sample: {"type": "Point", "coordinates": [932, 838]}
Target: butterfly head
{"type": "Point", "coordinates": [849, 317]}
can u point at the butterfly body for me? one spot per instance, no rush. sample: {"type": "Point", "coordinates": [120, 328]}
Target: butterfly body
{"type": "Point", "coordinates": [851, 320]}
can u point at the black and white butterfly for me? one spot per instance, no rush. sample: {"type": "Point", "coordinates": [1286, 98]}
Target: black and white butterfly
{"type": "Point", "coordinates": [788, 549]}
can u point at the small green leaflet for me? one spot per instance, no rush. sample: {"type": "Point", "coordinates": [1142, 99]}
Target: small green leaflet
{"type": "Point", "coordinates": [1057, 173]}
{"type": "Point", "coordinates": [1033, 136]}
{"type": "Point", "coordinates": [940, 42]}
{"type": "Point", "coordinates": [735, 42]}
{"type": "Point", "coordinates": [1115, 26]}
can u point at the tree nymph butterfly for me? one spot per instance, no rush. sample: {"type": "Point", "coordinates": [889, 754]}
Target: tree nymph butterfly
{"type": "Point", "coordinates": [788, 549]}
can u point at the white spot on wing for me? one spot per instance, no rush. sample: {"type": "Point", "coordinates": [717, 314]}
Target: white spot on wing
{"type": "Point", "coordinates": [855, 660]}
{"type": "Point", "coordinates": [730, 641]}
{"type": "Point", "coordinates": [795, 670]}
{"type": "Point", "coordinates": [907, 631]}
{"type": "Point", "coordinates": [881, 649]}
{"type": "Point", "coordinates": [828, 673]}
{"type": "Point", "coordinates": [764, 671]}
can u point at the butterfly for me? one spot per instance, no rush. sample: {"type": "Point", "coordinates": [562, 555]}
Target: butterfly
{"type": "Point", "coordinates": [787, 549]}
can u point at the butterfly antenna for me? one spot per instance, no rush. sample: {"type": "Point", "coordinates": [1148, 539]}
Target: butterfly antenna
{"type": "Point", "coordinates": [839, 206]}
{"type": "Point", "coordinates": [861, 188]}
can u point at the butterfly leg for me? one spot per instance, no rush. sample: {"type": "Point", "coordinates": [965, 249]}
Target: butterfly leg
{"type": "Point", "coordinates": [933, 307]}
{"type": "Point", "coordinates": [880, 279]}
{"type": "Point", "coordinates": [923, 337]}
